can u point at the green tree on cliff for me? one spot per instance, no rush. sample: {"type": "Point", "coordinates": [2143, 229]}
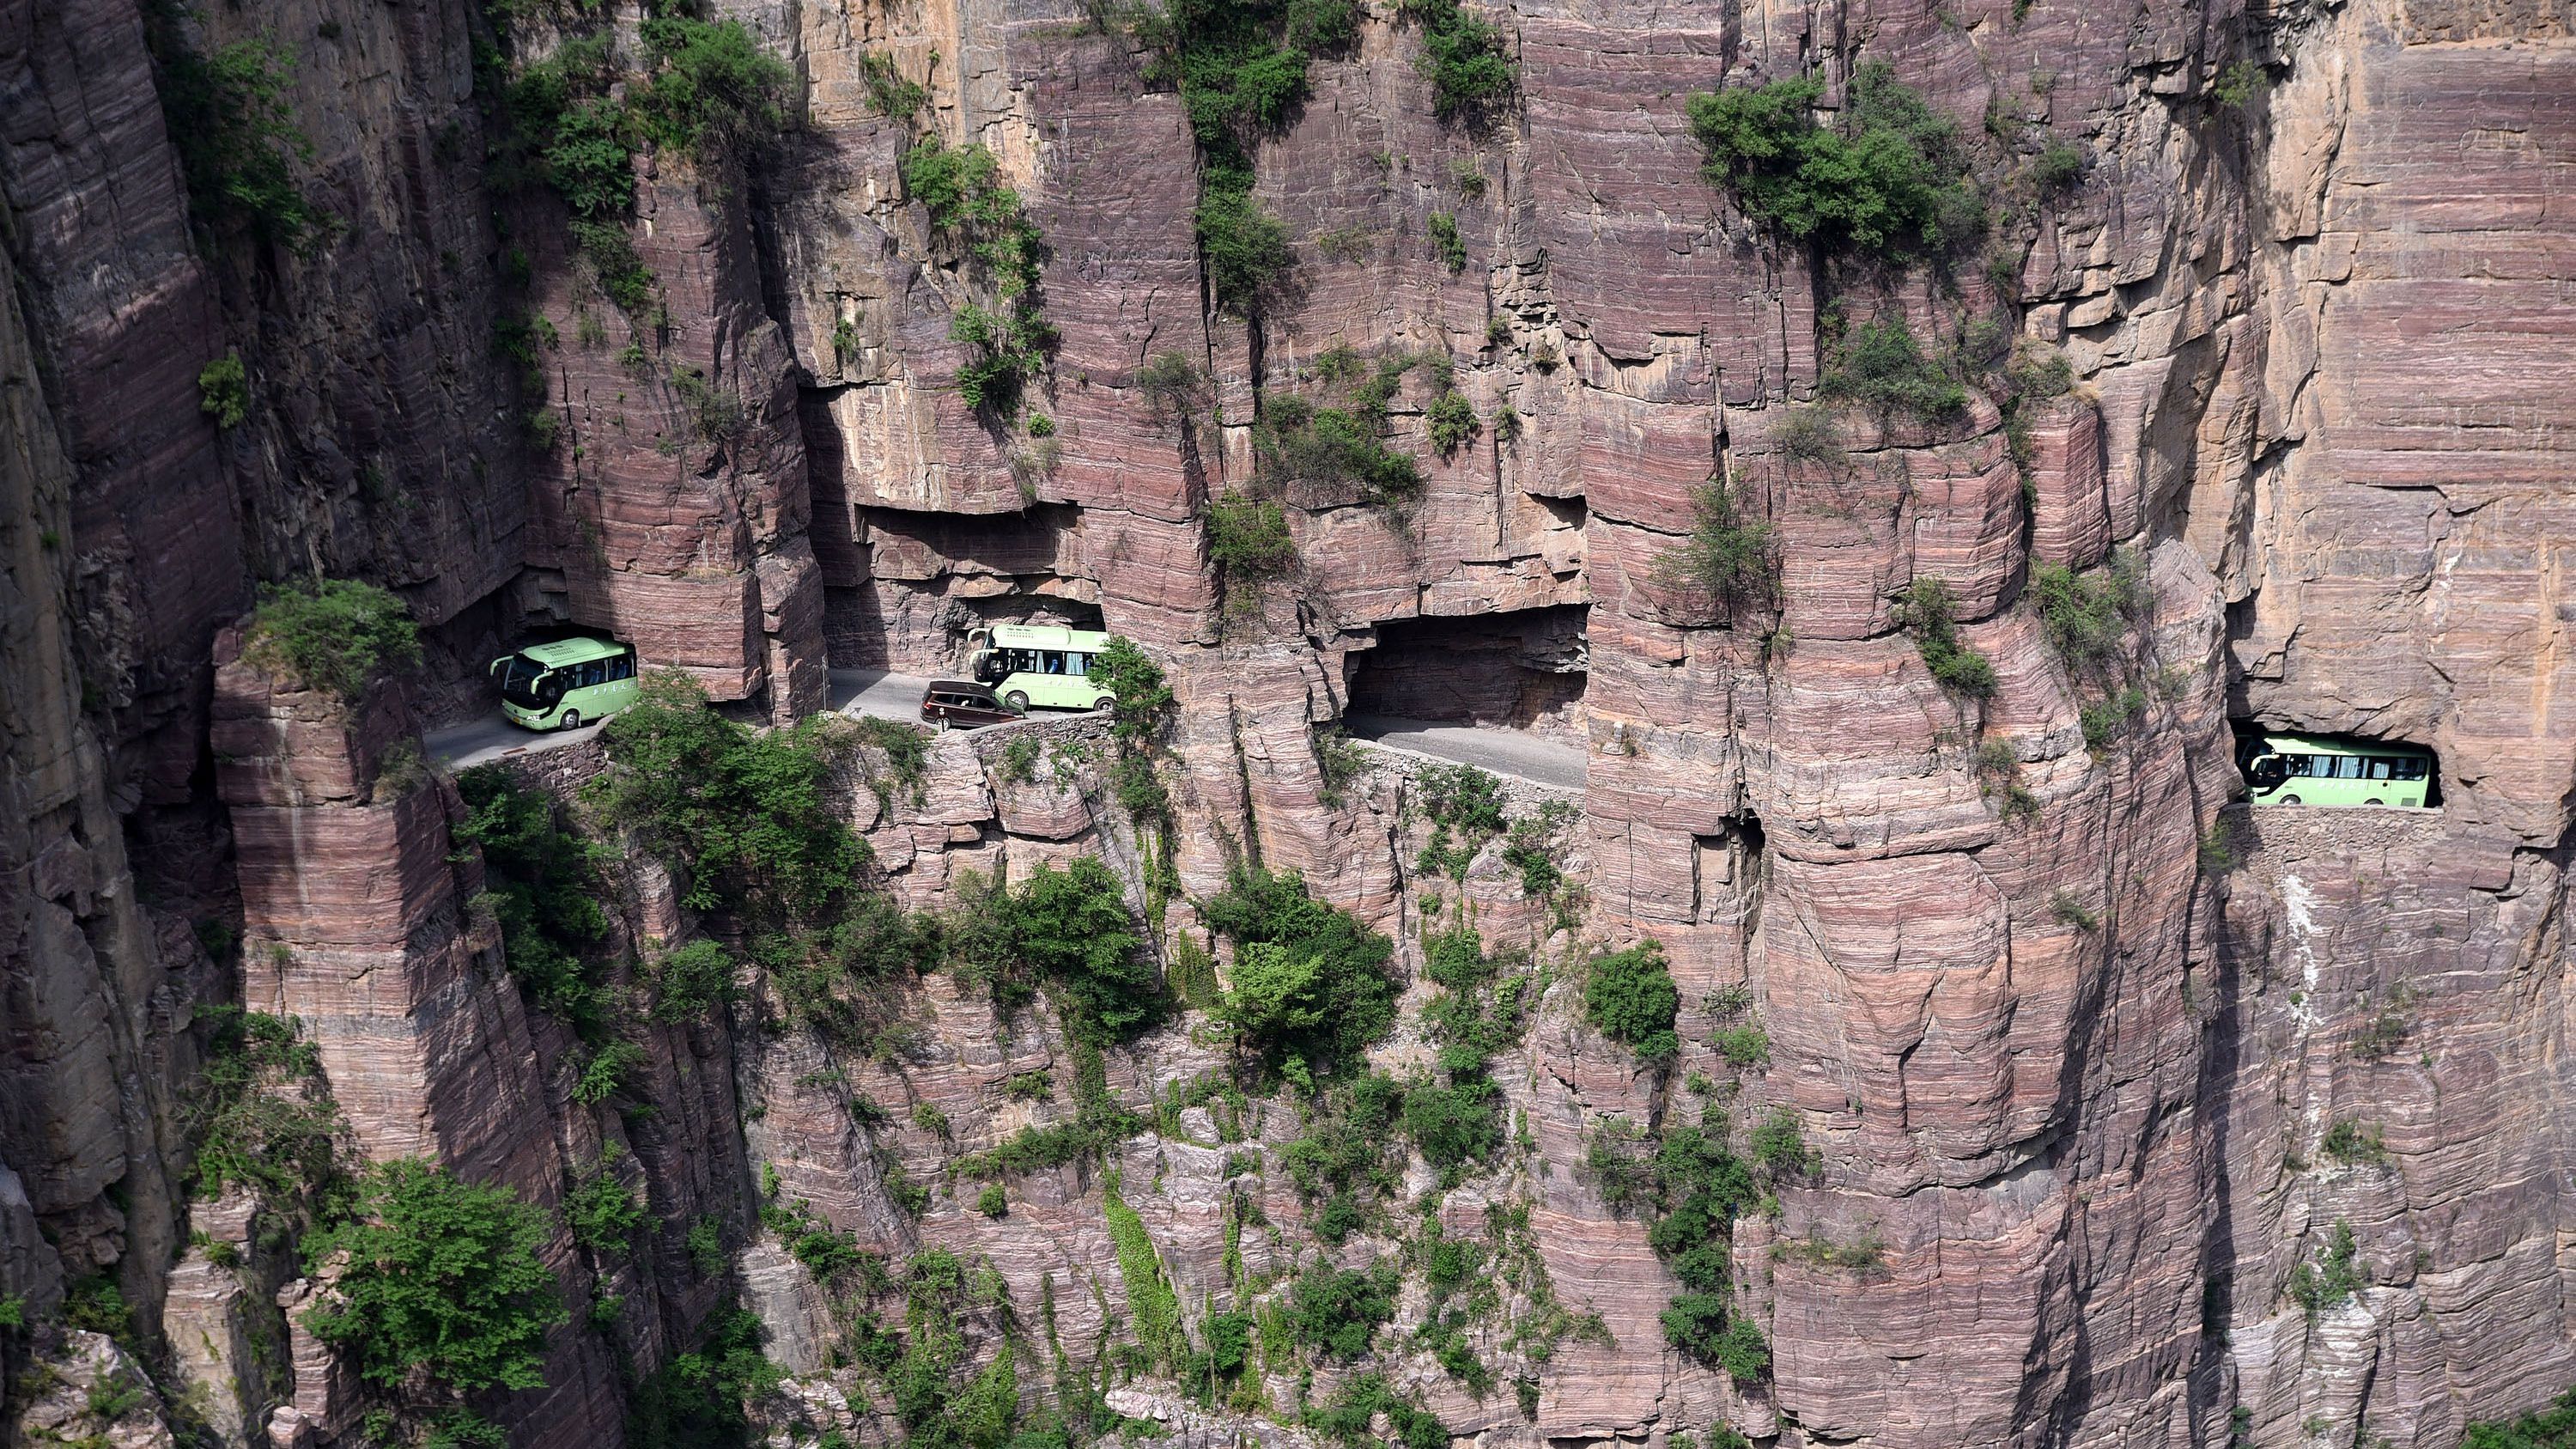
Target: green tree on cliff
{"type": "Point", "coordinates": [444, 1277]}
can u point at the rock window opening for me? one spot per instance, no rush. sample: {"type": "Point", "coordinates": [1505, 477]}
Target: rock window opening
{"type": "Point", "coordinates": [1524, 670]}
{"type": "Point", "coordinates": [2286, 767]}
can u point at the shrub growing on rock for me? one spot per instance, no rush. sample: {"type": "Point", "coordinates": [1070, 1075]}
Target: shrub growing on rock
{"type": "Point", "coordinates": [1959, 669]}
{"type": "Point", "coordinates": [1728, 553]}
{"type": "Point", "coordinates": [1879, 367]}
{"type": "Point", "coordinates": [445, 1278]}
{"type": "Point", "coordinates": [1339, 1310]}
{"type": "Point", "coordinates": [748, 813]}
{"type": "Point", "coordinates": [1249, 542]}
{"type": "Point", "coordinates": [1889, 179]}
{"type": "Point", "coordinates": [335, 635]}
{"type": "Point", "coordinates": [539, 880]}
{"type": "Point", "coordinates": [1631, 999]}
{"type": "Point", "coordinates": [1320, 991]}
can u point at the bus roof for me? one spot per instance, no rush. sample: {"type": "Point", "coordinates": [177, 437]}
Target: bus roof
{"type": "Point", "coordinates": [2338, 745]}
{"type": "Point", "coordinates": [1042, 636]}
{"type": "Point", "coordinates": [573, 651]}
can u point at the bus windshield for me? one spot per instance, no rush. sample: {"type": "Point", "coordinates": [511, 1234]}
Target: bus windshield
{"type": "Point", "coordinates": [530, 685]}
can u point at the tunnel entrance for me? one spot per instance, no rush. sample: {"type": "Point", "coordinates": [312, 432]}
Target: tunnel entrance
{"type": "Point", "coordinates": [1524, 670]}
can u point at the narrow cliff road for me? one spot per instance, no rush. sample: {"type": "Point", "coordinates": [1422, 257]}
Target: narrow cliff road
{"type": "Point", "coordinates": [481, 741]}
{"type": "Point", "coordinates": [1504, 752]}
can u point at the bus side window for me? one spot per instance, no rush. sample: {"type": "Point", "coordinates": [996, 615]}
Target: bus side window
{"type": "Point", "coordinates": [2410, 769]}
{"type": "Point", "coordinates": [2381, 767]}
{"type": "Point", "coordinates": [1080, 664]}
{"type": "Point", "coordinates": [1024, 661]}
{"type": "Point", "coordinates": [621, 667]}
{"type": "Point", "coordinates": [1053, 660]}
{"type": "Point", "coordinates": [2299, 765]}
{"type": "Point", "coordinates": [594, 672]}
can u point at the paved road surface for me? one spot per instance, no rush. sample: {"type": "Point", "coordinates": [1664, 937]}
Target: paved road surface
{"type": "Point", "coordinates": [477, 742]}
{"type": "Point", "coordinates": [1505, 752]}
{"type": "Point", "coordinates": [898, 696]}
{"type": "Point", "coordinates": [873, 691]}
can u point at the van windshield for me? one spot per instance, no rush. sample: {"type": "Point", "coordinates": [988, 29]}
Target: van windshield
{"type": "Point", "coordinates": [529, 685]}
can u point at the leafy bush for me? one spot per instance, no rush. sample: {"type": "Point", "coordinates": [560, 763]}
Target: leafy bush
{"type": "Point", "coordinates": [2086, 616]}
{"type": "Point", "coordinates": [1246, 251]}
{"type": "Point", "coordinates": [1630, 998]}
{"type": "Point", "coordinates": [889, 94]}
{"type": "Point", "coordinates": [2069, 909]}
{"type": "Point", "coordinates": [228, 115]}
{"type": "Point", "coordinates": [1344, 1158]}
{"type": "Point", "coordinates": [1073, 926]}
{"type": "Point", "coordinates": [2039, 372]}
{"type": "Point", "coordinates": [602, 1212]}
{"type": "Point", "coordinates": [2552, 1428]}
{"type": "Point", "coordinates": [1745, 1047]}
{"type": "Point", "coordinates": [223, 391]}
{"type": "Point", "coordinates": [1338, 1310]}
{"type": "Point", "coordinates": [697, 1400]}
{"type": "Point", "coordinates": [2056, 168]}
{"type": "Point", "coordinates": [1301, 441]}
{"type": "Point", "coordinates": [2348, 1141]}
{"type": "Point", "coordinates": [747, 813]}
{"type": "Point", "coordinates": [445, 1278]}
{"type": "Point", "coordinates": [1452, 422]}
{"type": "Point", "coordinates": [992, 1202]}
{"type": "Point", "coordinates": [2240, 84]}
{"type": "Point", "coordinates": [1890, 179]}
{"type": "Point", "coordinates": [1728, 552]}
{"type": "Point", "coordinates": [2333, 1278]}
{"type": "Point", "coordinates": [713, 87]}
{"type": "Point", "coordinates": [1781, 1146]}
{"type": "Point", "coordinates": [1879, 367]}
{"type": "Point", "coordinates": [1006, 356]}
{"type": "Point", "coordinates": [539, 880]}
{"type": "Point", "coordinates": [1956, 667]}
{"type": "Point", "coordinates": [688, 982]}
{"type": "Point", "coordinates": [258, 1115]}
{"type": "Point", "coordinates": [1320, 992]}
{"type": "Point", "coordinates": [1446, 242]}
{"type": "Point", "coordinates": [1145, 699]}
{"type": "Point", "coordinates": [1465, 808]}
{"type": "Point", "coordinates": [1174, 389]}
{"type": "Point", "coordinates": [335, 635]}
{"type": "Point", "coordinates": [2106, 719]}
{"type": "Point", "coordinates": [1454, 1124]}
{"type": "Point", "coordinates": [1462, 56]}
{"type": "Point", "coordinates": [1249, 543]}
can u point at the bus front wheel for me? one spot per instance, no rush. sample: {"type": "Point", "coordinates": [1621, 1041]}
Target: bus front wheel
{"type": "Point", "coordinates": [571, 720]}
{"type": "Point", "coordinates": [2374, 802]}
{"type": "Point", "coordinates": [2290, 800]}
{"type": "Point", "coordinates": [1017, 700]}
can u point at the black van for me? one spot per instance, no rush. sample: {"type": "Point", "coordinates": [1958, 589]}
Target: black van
{"type": "Point", "coordinates": [965, 703]}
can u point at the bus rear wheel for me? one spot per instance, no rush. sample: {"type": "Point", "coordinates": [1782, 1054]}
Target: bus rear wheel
{"type": "Point", "coordinates": [2374, 802]}
{"type": "Point", "coordinates": [1105, 702]}
{"type": "Point", "coordinates": [1017, 700]}
{"type": "Point", "coordinates": [571, 720]}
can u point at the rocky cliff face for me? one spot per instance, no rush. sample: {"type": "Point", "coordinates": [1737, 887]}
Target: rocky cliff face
{"type": "Point", "coordinates": [2123, 1116]}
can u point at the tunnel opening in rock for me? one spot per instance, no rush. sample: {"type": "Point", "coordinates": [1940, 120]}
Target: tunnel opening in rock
{"type": "Point", "coordinates": [918, 583]}
{"type": "Point", "coordinates": [1522, 670]}
{"type": "Point", "coordinates": [2286, 766]}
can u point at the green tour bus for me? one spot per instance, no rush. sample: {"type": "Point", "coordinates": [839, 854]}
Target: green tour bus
{"type": "Point", "coordinates": [1037, 664]}
{"type": "Point", "coordinates": [2332, 770]}
{"type": "Point", "coordinates": [566, 684]}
